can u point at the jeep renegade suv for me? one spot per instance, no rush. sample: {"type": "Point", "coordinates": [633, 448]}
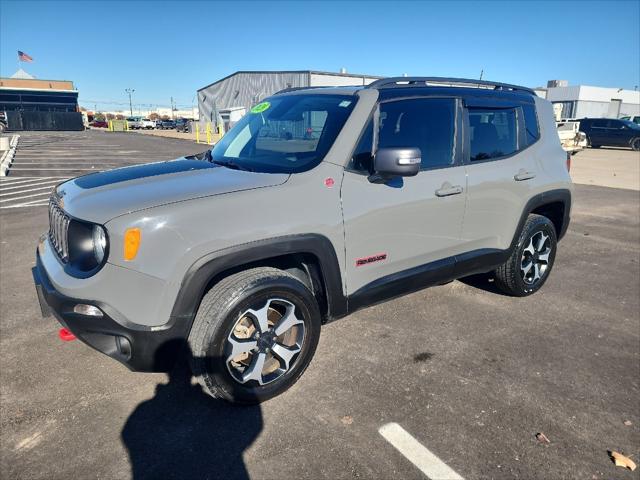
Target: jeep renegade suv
{"type": "Point", "coordinates": [320, 201]}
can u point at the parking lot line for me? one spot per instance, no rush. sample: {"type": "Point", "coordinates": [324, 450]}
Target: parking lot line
{"type": "Point", "coordinates": [28, 185]}
{"type": "Point", "coordinates": [416, 453]}
{"type": "Point", "coordinates": [25, 196]}
{"type": "Point", "coordinates": [49, 187]}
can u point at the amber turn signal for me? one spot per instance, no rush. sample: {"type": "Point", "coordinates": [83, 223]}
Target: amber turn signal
{"type": "Point", "coordinates": [131, 243]}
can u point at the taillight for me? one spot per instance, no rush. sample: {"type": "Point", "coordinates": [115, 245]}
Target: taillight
{"type": "Point", "coordinates": [568, 161]}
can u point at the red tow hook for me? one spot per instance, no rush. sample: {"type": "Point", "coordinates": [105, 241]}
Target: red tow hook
{"type": "Point", "coordinates": [66, 335]}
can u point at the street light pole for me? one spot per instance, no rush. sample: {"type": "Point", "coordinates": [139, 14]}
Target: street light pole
{"type": "Point", "coordinates": [130, 91]}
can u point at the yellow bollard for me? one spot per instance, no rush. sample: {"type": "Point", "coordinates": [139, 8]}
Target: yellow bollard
{"type": "Point", "coordinates": [208, 130]}
{"type": "Point", "coordinates": [197, 132]}
{"type": "Point", "coordinates": [111, 125]}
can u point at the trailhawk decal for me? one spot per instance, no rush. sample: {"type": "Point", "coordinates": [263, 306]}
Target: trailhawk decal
{"type": "Point", "coordinates": [379, 257]}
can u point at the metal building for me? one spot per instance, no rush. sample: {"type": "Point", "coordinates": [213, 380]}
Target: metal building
{"type": "Point", "coordinates": [227, 100]}
{"type": "Point", "coordinates": [582, 101]}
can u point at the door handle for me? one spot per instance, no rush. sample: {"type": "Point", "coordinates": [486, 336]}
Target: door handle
{"type": "Point", "coordinates": [523, 175]}
{"type": "Point", "coordinates": [447, 189]}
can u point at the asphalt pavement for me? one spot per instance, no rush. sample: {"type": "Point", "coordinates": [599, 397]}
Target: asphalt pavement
{"type": "Point", "coordinates": [469, 374]}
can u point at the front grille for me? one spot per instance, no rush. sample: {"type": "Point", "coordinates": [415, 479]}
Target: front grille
{"type": "Point", "coordinates": [58, 228]}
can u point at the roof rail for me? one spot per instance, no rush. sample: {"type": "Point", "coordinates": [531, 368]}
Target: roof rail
{"type": "Point", "coordinates": [394, 82]}
{"type": "Point", "coordinates": [293, 89]}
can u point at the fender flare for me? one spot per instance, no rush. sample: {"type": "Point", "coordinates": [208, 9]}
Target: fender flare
{"type": "Point", "coordinates": [562, 195]}
{"type": "Point", "coordinates": [200, 274]}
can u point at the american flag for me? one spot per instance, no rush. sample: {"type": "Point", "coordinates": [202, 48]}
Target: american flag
{"type": "Point", "coordinates": [23, 57]}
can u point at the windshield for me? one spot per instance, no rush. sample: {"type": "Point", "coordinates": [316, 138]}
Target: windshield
{"type": "Point", "coordinates": [285, 134]}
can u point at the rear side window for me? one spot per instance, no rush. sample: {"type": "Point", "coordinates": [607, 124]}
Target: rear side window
{"type": "Point", "coordinates": [599, 124]}
{"type": "Point", "coordinates": [493, 132]}
{"type": "Point", "coordinates": [531, 123]}
{"type": "Point", "coordinates": [426, 123]}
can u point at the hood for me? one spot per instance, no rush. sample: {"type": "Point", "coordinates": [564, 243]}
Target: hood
{"type": "Point", "coordinates": [99, 197]}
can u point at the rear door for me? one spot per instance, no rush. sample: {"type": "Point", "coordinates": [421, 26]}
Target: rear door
{"type": "Point", "coordinates": [599, 132]}
{"type": "Point", "coordinates": [501, 168]}
{"type": "Point", "coordinates": [394, 228]}
{"type": "Point", "coordinates": [618, 134]}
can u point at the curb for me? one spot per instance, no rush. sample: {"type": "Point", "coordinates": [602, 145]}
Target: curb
{"type": "Point", "coordinates": [7, 157]}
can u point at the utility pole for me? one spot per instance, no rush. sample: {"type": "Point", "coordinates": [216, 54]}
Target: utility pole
{"type": "Point", "coordinates": [173, 110]}
{"type": "Point", "coordinates": [481, 73]}
{"type": "Point", "coordinates": [130, 91]}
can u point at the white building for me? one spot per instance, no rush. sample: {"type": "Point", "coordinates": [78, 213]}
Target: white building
{"type": "Point", "coordinates": [580, 101]}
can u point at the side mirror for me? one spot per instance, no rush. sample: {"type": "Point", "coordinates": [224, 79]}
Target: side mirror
{"type": "Point", "coordinates": [396, 162]}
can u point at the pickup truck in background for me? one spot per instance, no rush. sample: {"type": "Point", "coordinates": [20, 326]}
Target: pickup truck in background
{"type": "Point", "coordinates": [571, 138]}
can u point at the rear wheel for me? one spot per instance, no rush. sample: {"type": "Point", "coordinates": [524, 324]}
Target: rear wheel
{"type": "Point", "coordinates": [635, 144]}
{"type": "Point", "coordinates": [254, 335]}
{"type": "Point", "coordinates": [529, 266]}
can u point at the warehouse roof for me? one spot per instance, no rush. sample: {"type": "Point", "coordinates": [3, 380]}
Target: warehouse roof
{"type": "Point", "coordinates": [317, 72]}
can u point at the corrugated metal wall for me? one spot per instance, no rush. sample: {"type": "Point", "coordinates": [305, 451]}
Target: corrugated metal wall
{"type": "Point", "coordinates": [245, 90]}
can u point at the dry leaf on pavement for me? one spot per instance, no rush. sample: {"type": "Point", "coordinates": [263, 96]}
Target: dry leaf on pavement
{"type": "Point", "coordinates": [542, 438]}
{"type": "Point", "coordinates": [347, 420]}
{"type": "Point", "coordinates": [622, 461]}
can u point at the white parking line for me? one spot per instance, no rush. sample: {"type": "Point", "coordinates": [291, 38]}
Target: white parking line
{"type": "Point", "coordinates": [11, 186]}
{"type": "Point", "coordinates": [54, 169]}
{"type": "Point", "coordinates": [28, 204]}
{"type": "Point", "coordinates": [25, 196]}
{"type": "Point", "coordinates": [416, 453]}
{"type": "Point", "coordinates": [49, 187]}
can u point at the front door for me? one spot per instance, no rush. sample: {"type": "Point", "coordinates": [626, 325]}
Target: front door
{"type": "Point", "coordinates": [394, 229]}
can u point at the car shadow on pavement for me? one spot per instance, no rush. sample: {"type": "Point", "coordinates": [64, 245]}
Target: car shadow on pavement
{"type": "Point", "coordinates": [483, 281]}
{"type": "Point", "coordinates": [182, 433]}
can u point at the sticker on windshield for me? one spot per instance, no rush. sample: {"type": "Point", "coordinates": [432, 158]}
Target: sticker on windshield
{"type": "Point", "coordinates": [344, 103]}
{"type": "Point", "coordinates": [261, 107]}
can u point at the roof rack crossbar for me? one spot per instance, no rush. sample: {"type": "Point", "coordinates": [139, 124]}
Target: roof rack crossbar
{"type": "Point", "coordinates": [394, 82]}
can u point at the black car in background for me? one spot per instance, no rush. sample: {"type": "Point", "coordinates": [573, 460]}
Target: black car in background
{"type": "Point", "coordinates": [168, 124]}
{"type": "Point", "coordinates": [611, 132]}
{"type": "Point", "coordinates": [182, 125]}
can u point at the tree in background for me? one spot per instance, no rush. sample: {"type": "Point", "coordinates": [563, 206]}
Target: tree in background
{"type": "Point", "coordinates": [110, 116]}
{"type": "Point", "coordinates": [154, 116]}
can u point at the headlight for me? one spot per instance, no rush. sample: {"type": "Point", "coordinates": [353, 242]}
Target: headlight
{"type": "Point", "coordinates": [99, 243]}
{"type": "Point", "coordinates": [88, 248]}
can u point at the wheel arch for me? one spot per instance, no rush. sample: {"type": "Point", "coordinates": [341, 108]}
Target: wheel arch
{"type": "Point", "coordinates": [310, 257]}
{"type": "Point", "coordinates": [554, 204]}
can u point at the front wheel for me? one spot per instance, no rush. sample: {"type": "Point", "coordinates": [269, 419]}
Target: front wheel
{"type": "Point", "coordinates": [254, 335]}
{"type": "Point", "coordinates": [529, 266]}
{"type": "Point", "coordinates": [635, 144]}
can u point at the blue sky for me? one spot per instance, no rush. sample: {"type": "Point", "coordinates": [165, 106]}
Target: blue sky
{"type": "Point", "coordinates": [172, 48]}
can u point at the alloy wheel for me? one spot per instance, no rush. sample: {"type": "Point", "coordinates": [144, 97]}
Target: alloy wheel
{"type": "Point", "coordinates": [535, 258]}
{"type": "Point", "coordinates": [265, 342]}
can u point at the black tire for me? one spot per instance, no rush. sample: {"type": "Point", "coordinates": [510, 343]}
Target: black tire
{"type": "Point", "coordinates": [635, 144]}
{"type": "Point", "coordinates": [509, 276]}
{"type": "Point", "coordinates": [220, 310]}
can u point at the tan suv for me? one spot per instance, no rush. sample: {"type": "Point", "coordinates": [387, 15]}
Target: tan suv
{"type": "Point", "coordinates": [319, 202]}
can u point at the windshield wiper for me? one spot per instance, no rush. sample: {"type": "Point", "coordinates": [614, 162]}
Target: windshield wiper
{"type": "Point", "coordinates": [231, 165]}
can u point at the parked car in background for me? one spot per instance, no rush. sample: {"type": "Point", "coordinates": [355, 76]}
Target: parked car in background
{"type": "Point", "coordinates": [158, 123]}
{"type": "Point", "coordinates": [134, 123]}
{"type": "Point", "coordinates": [571, 138]}
{"type": "Point", "coordinates": [99, 124]}
{"type": "Point", "coordinates": [611, 132]}
{"type": "Point", "coordinates": [168, 124]}
{"type": "Point", "coordinates": [147, 124]}
{"type": "Point", "coordinates": [635, 119]}
{"type": "Point", "coordinates": [182, 125]}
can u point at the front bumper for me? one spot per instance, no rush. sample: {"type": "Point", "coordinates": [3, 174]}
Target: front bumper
{"type": "Point", "coordinates": [144, 349]}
